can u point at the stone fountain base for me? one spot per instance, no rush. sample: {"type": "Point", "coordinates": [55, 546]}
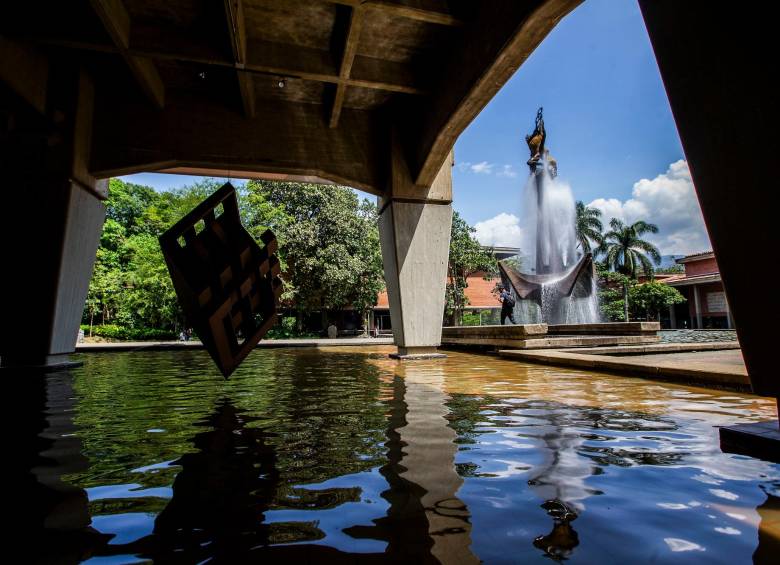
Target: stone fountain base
{"type": "Point", "coordinates": [544, 336]}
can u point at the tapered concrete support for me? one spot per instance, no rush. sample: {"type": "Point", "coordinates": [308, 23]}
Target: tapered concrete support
{"type": "Point", "coordinates": [49, 250]}
{"type": "Point", "coordinates": [415, 238]}
{"type": "Point", "coordinates": [725, 106]}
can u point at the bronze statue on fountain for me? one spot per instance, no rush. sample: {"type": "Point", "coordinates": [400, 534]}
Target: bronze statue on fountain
{"type": "Point", "coordinates": [553, 282]}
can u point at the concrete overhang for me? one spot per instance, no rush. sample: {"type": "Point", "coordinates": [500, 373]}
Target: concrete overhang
{"type": "Point", "coordinates": [277, 88]}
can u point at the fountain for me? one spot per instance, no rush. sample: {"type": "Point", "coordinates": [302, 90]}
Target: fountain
{"type": "Point", "coordinates": [554, 285]}
{"type": "Point", "coordinates": [560, 287]}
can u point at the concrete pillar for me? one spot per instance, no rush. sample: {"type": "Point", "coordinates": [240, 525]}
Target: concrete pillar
{"type": "Point", "coordinates": [49, 250]}
{"type": "Point", "coordinates": [414, 229]}
{"type": "Point", "coordinates": [672, 317]}
{"type": "Point", "coordinates": [725, 104]}
{"type": "Point", "coordinates": [697, 306]}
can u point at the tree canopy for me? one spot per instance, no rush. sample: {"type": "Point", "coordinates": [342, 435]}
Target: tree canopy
{"type": "Point", "coordinates": [588, 227]}
{"type": "Point", "coordinates": [467, 257]}
{"type": "Point", "coordinates": [625, 251]}
{"type": "Point", "coordinates": [329, 249]}
{"type": "Point", "coordinates": [328, 240]}
{"type": "Point", "coordinates": [648, 299]}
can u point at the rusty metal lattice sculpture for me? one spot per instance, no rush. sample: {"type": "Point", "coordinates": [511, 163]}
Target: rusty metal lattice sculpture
{"type": "Point", "coordinates": [227, 285]}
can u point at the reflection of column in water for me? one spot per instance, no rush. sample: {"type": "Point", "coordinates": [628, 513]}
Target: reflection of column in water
{"type": "Point", "coordinates": [429, 456]}
{"type": "Point", "coordinates": [560, 481]}
{"type": "Point", "coordinates": [59, 521]}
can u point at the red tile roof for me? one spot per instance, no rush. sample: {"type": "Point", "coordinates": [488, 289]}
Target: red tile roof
{"type": "Point", "coordinates": [478, 291]}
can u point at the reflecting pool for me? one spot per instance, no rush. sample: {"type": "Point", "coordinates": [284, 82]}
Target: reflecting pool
{"type": "Point", "coordinates": [344, 455]}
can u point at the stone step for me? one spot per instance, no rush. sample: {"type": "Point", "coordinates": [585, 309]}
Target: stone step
{"type": "Point", "coordinates": [607, 328]}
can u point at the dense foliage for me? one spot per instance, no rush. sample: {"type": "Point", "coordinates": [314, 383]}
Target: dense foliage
{"type": "Point", "coordinates": [328, 239]}
{"type": "Point", "coordinates": [613, 287]}
{"type": "Point", "coordinates": [329, 250]}
{"type": "Point", "coordinates": [647, 300]}
{"type": "Point", "coordinates": [130, 285]}
{"type": "Point", "coordinates": [467, 257]}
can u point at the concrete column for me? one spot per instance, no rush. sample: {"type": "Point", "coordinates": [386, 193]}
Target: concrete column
{"type": "Point", "coordinates": [49, 251]}
{"type": "Point", "coordinates": [672, 318]}
{"type": "Point", "coordinates": [414, 229]}
{"type": "Point", "coordinates": [697, 306]}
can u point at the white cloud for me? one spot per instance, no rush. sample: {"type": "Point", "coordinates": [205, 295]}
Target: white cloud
{"type": "Point", "coordinates": [463, 167]}
{"type": "Point", "coordinates": [669, 201]}
{"type": "Point", "coordinates": [501, 231]}
{"type": "Point", "coordinates": [482, 168]}
{"type": "Point", "coordinates": [507, 171]}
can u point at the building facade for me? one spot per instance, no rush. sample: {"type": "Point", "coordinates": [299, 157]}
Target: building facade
{"type": "Point", "coordinates": [706, 306]}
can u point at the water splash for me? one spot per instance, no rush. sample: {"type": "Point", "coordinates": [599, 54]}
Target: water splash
{"type": "Point", "coordinates": [550, 246]}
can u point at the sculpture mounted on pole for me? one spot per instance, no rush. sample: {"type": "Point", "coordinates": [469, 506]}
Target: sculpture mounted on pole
{"type": "Point", "coordinates": [536, 140]}
{"type": "Point", "coordinates": [227, 285]}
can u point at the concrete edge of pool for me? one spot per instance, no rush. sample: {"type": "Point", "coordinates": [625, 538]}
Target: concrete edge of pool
{"type": "Point", "coordinates": [651, 364]}
{"type": "Point", "coordinates": [271, 343]}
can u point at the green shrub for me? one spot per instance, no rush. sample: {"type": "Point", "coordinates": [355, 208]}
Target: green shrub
{"type": "Point", "coordinates": [470, 319]}
{"type": "Point", "coordinates": [285, 329]}
{"type": "Point", "coordinates": [111, 331]}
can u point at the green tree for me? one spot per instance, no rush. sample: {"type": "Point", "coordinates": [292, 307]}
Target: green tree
{"type": "Point", "coordinates": [149, 298]}
{"type": "Point", "coordinates": [328, 240]}
{"type": "Point", "coordinates": [127, 203]}
{"type": "Point", "coordinates": [467, 257]}
{"type": "Point", "coordinates": [613, 288]}
{"type": "Point", "coordinates": [626, 252]}
{"type": "Point", "coordinates": [130, 284]}
{"type": "Point", "coordinates": [588, 227]}
{"type": "Point", "coordinates": [648, 299]}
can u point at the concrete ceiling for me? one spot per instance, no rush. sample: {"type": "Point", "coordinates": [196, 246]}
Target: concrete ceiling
{"type": "Point", "coordinates": [297, 88]}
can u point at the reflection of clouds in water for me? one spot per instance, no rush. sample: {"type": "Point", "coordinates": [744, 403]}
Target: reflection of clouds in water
{"type": "Point", "coordinates": [677, 544]}
{"type": "Point", "coordinates": [720, 493]}
{"type": "Point", "coordinates": [574, 444]}
{"type": "Point", "coordinates": [672, 506]}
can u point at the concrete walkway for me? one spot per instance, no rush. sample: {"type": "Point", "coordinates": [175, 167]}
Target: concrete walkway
{"type": "Point", "coordinates": [175, 345]}
{"type": "Point", "coordinates": [716, 364]}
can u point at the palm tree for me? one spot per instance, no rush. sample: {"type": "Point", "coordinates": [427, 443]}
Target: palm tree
{"type": "Point", "coordinates": [625, 250]}
{"type": "Point", "coordinates": [589, 226]}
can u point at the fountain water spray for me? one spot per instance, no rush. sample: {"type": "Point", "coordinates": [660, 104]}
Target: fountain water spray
{"type": "Point", "coordinates": [553, 283]}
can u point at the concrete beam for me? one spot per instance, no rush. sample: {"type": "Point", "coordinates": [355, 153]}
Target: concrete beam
{"type": "Point", "coordinates": [116, 22]}
{"type": "Point", "coordinates": [283, 138]}
{"type": "Point", "coordinates": [234, 13]}
{"type": "Point", "coordinates": [428, 11]}
{"type": "Point", "coordinates": [263, 58]}
{"type": "Point", "coordinates": [494, 47]}
{"type": "Point", "coordinates": [347, 59]}
{"type": "Point", "coordinates": [25, 72]}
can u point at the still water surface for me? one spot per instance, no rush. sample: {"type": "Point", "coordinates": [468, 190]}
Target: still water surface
{"type": "Point", "coordinates": [343, 455]}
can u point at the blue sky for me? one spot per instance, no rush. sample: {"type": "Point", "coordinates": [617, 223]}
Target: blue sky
{"type": "Point", "coordinates": [608, 122]}
{"type": "Point", "coordinates": [607, 116]}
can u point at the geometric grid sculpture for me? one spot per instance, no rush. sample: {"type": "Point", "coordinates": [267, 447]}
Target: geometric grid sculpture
{"type": "Point", "coordinates": [227, 285]}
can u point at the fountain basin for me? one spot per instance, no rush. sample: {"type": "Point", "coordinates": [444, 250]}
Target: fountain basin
{"type": "Point", "coordinates": [544, 336]}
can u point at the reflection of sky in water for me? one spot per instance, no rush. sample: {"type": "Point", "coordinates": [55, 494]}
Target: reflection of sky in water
{"type": "Point", "coordinates": [350, 451]}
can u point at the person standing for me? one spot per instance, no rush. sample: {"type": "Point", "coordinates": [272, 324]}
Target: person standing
{"type": "Point", "coordinates": [507, 305]}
